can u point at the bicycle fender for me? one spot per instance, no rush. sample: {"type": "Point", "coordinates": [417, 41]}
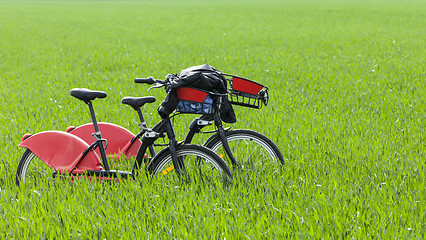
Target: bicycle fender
{"type": "Point", "coordinates": [118, 139]}
{"type": "Point", "coordinates": [61, 150]}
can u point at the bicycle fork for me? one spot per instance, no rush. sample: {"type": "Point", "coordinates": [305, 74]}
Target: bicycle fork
{"type": "Point", "coordinates": [222, 135]}
{"type": "Point", "coordinates": [178, 164]}
{"type": "Point", "coordinates": [198, 124]}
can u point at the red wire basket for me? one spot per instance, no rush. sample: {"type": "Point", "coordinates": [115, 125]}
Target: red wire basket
{"type": "Point", "coordinates": [247, 93]}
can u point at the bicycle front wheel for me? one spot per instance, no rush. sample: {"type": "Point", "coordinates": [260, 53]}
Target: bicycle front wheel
{"type": "Point", "coordinates": [32, 171]}
{"type": "Point", "coordinates": [201, 164]}
{"type": "Point", "coordinates": [251, 149]}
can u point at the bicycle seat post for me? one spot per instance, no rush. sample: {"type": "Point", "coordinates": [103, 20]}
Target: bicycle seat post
{"type": "Point", "coordinates": [143, 123]}
{"type": "Point", "coordinates": [97, 136]}
{"type": "Point", "coordinates": [92, 114]}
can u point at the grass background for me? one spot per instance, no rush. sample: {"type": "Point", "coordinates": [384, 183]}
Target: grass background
{"type": "Point", "coordinates": [347, 111]}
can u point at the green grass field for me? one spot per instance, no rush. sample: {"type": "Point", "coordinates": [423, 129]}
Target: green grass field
{"type": "Point", "coordinates": [347, 110]}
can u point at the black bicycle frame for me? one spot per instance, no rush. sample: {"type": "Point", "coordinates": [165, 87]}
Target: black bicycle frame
{"type": "Point", "coordinates": [107, 172]}
{"type": "Point", "coordinates": [199, 123]}
{"type": "Point", "coordinates": [165, 126]}
{"type": "Point", "coordinates": [149, 136]}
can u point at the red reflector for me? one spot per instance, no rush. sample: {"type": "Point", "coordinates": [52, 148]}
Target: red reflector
{"type": "Point", "coordinates": [70, 128]}
{"type": "Point", "coordinates": [191, 94]}
{"type": "Point", "coordinates": [27, 135]}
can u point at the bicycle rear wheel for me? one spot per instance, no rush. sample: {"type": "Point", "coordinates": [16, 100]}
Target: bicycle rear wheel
{"type": "Point", "coordinates": [251, 149]}
{"type": "Point", "coordinates": [201, 164]}
{"type": "Point", "coordinates": [32, 171]}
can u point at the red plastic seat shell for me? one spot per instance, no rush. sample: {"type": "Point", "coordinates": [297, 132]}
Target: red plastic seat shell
{"type": "Point", "coordinates": [118, 139]}
{"type": "Point", "coordinates": [61, 150]}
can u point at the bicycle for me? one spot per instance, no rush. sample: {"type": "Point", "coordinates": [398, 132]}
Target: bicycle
{"type": "Point", "coordinates": [51, 154]}
{"type": "Point", "coordinates": [240, 146]}
{"type": "Point", "coordinates": [247, 146]}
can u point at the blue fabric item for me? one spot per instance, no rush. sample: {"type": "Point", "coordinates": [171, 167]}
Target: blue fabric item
{"type": "Point", "coordinates": [205, 107]}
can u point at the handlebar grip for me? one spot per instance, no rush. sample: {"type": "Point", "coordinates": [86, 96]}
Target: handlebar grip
{"type": "Point", "coordinates": [149, 80]}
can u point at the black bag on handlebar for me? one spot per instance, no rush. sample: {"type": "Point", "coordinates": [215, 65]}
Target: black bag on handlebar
{"type": "Point", "coordinates": [203, 77]}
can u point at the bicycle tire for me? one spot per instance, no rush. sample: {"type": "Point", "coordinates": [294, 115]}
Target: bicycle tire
{"type": "Point", "coordinates": [162, 164]}
{"type": "Point", "coordinates": [32, 170]}
{"type": "Point", "coordinates": [247, 146]}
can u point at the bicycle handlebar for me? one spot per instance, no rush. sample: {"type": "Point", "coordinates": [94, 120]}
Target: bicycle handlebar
{"type": "Point", "coordinates": [149, 80]}
{"type": "Point", "coordinates": [164, 83]}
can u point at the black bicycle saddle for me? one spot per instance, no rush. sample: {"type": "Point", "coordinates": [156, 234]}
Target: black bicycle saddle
{"type": "Point", "coordinates": [137, 102]}
{"type": "Point", "coordinates": [87, 95]}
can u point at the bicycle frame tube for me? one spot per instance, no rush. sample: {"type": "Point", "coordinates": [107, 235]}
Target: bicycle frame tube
{"type": "Point", "coordinates": [147, 143]}
{"type": "Point", "coordinates": [194, 128]}
{"type": "Point", "coordinates": [139, 135]}
{"type": "Point", "coordinates": [197, 125]}
{"type": "Point", "coordinates": [164, 126]}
